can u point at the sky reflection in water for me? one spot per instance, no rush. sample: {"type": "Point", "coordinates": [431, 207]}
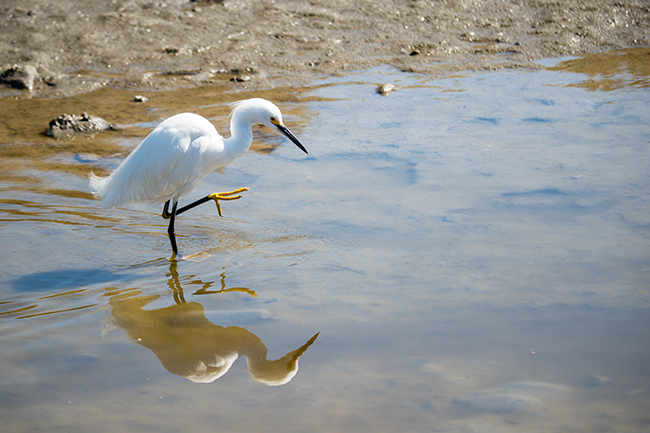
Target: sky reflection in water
{"type": "Point", "coordinates": [473, 251]}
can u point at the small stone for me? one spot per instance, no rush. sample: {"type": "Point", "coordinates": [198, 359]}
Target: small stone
{"type": "Point", "coordinates": [19, 77]}
{"type": "Point", "coordinates": [386, 88]}
{"type": "Point", "coordinates": [241, 78]}
{"type": "Point", "coordinates": [140, 98]}
{"type": "Point", "coordinates": [70, 125]}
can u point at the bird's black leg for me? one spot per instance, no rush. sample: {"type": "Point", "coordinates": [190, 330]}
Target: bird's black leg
{"type": "Point", "coordinates": [165, 212]}
{"type": "Point", "coordinates": [171, 216]}
{"type": "Point", "coordinates": [214, 196]}
{"type": "Point", "coordinates": [192, 205]}
{"type": "Point", "coordinates": [170, 229]}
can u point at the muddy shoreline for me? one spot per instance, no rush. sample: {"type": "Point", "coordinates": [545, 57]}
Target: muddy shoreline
{"type": "Point", "coordinates": [76, 47]}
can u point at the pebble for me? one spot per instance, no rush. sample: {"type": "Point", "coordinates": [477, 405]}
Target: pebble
{"type": "Point", "coordinates": [70, 125]}
{"type": "Point", "coordinates": [19, 77]}
{"type": "Point", "coordinates": [386, 88]}
{"type": "Point", "coordinates": [241, 78]}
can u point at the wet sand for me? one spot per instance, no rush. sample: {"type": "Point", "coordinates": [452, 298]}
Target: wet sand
{"type": "Point", "coordinates": [77, 47]}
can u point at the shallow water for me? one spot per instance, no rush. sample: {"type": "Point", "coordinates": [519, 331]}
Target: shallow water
{"type": "Point", "coordinates": [474, 252]}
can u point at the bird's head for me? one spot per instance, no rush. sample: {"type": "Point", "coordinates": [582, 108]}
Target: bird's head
{"type": "Point", "coordinates": [258, 110]}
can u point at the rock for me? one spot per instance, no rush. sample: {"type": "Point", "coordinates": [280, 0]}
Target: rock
{"type": "Point", "coordinates": [70, 125]}
{"type": "Point", "coordinates": [140, 98]}
{"type": "Point", "coordinates": [386, 88]}
{"type": "Point", "coordinates": [241, 78]}
{"type": "Point", "coordinates": [19, 77]}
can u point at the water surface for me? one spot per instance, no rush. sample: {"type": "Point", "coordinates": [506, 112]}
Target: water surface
{"type": "Point", "coordinates": [470, 254]}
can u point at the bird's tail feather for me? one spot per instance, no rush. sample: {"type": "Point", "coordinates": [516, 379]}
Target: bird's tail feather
{"type": "Point", "coordinates": [98, 187]}
{"type": "Point", "coordinates": [97, 184]}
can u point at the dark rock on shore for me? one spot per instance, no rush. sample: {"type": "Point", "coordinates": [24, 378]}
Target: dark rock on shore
{"type": "Point", "coordinates": [19, 77]}
{"type": "Point", "coordinates": [70, 125]}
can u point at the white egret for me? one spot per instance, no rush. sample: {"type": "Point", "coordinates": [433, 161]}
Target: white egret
{"type": "Point", "coordinates": [181, 151]}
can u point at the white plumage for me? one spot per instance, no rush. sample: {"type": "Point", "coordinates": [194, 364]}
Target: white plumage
{"type": "Point", "coordinates": [181, 151]}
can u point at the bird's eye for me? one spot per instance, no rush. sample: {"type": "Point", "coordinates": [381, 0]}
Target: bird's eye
{"type": "Point", "coordinates": [274, 120]}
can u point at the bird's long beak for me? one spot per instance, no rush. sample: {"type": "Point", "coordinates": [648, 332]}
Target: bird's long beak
{"type": "Point", "coordinates": [283, 129]}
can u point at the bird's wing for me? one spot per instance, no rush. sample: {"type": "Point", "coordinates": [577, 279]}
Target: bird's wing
{"type": "Point", "coordinates": [143, 175]}
{"type": "Point", "coordinates": [187, 172]}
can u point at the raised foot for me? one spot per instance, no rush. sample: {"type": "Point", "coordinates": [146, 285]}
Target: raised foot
{"type": "Point", "coordinates": [231, 195]}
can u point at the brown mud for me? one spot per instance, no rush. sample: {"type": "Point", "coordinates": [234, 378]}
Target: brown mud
{"type": "Point", "coordinates": [76, 47]}
{"type": "Point", "coordinates": [189, 56]}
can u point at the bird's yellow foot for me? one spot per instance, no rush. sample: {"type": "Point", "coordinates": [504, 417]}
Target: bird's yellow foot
{"type": "Point", "coordinates": [216, 196]}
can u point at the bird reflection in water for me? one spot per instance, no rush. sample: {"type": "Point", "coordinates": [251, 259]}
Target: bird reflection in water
{"type": "Point", "coordinates": [189, 345]}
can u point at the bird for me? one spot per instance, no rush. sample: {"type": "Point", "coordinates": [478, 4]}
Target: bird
{"type": "Point", "coordinates": [181, 151]}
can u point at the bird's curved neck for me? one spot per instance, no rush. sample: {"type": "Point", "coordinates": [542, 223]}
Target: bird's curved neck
{"type": "Point", "coordinates": [241, 137]}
